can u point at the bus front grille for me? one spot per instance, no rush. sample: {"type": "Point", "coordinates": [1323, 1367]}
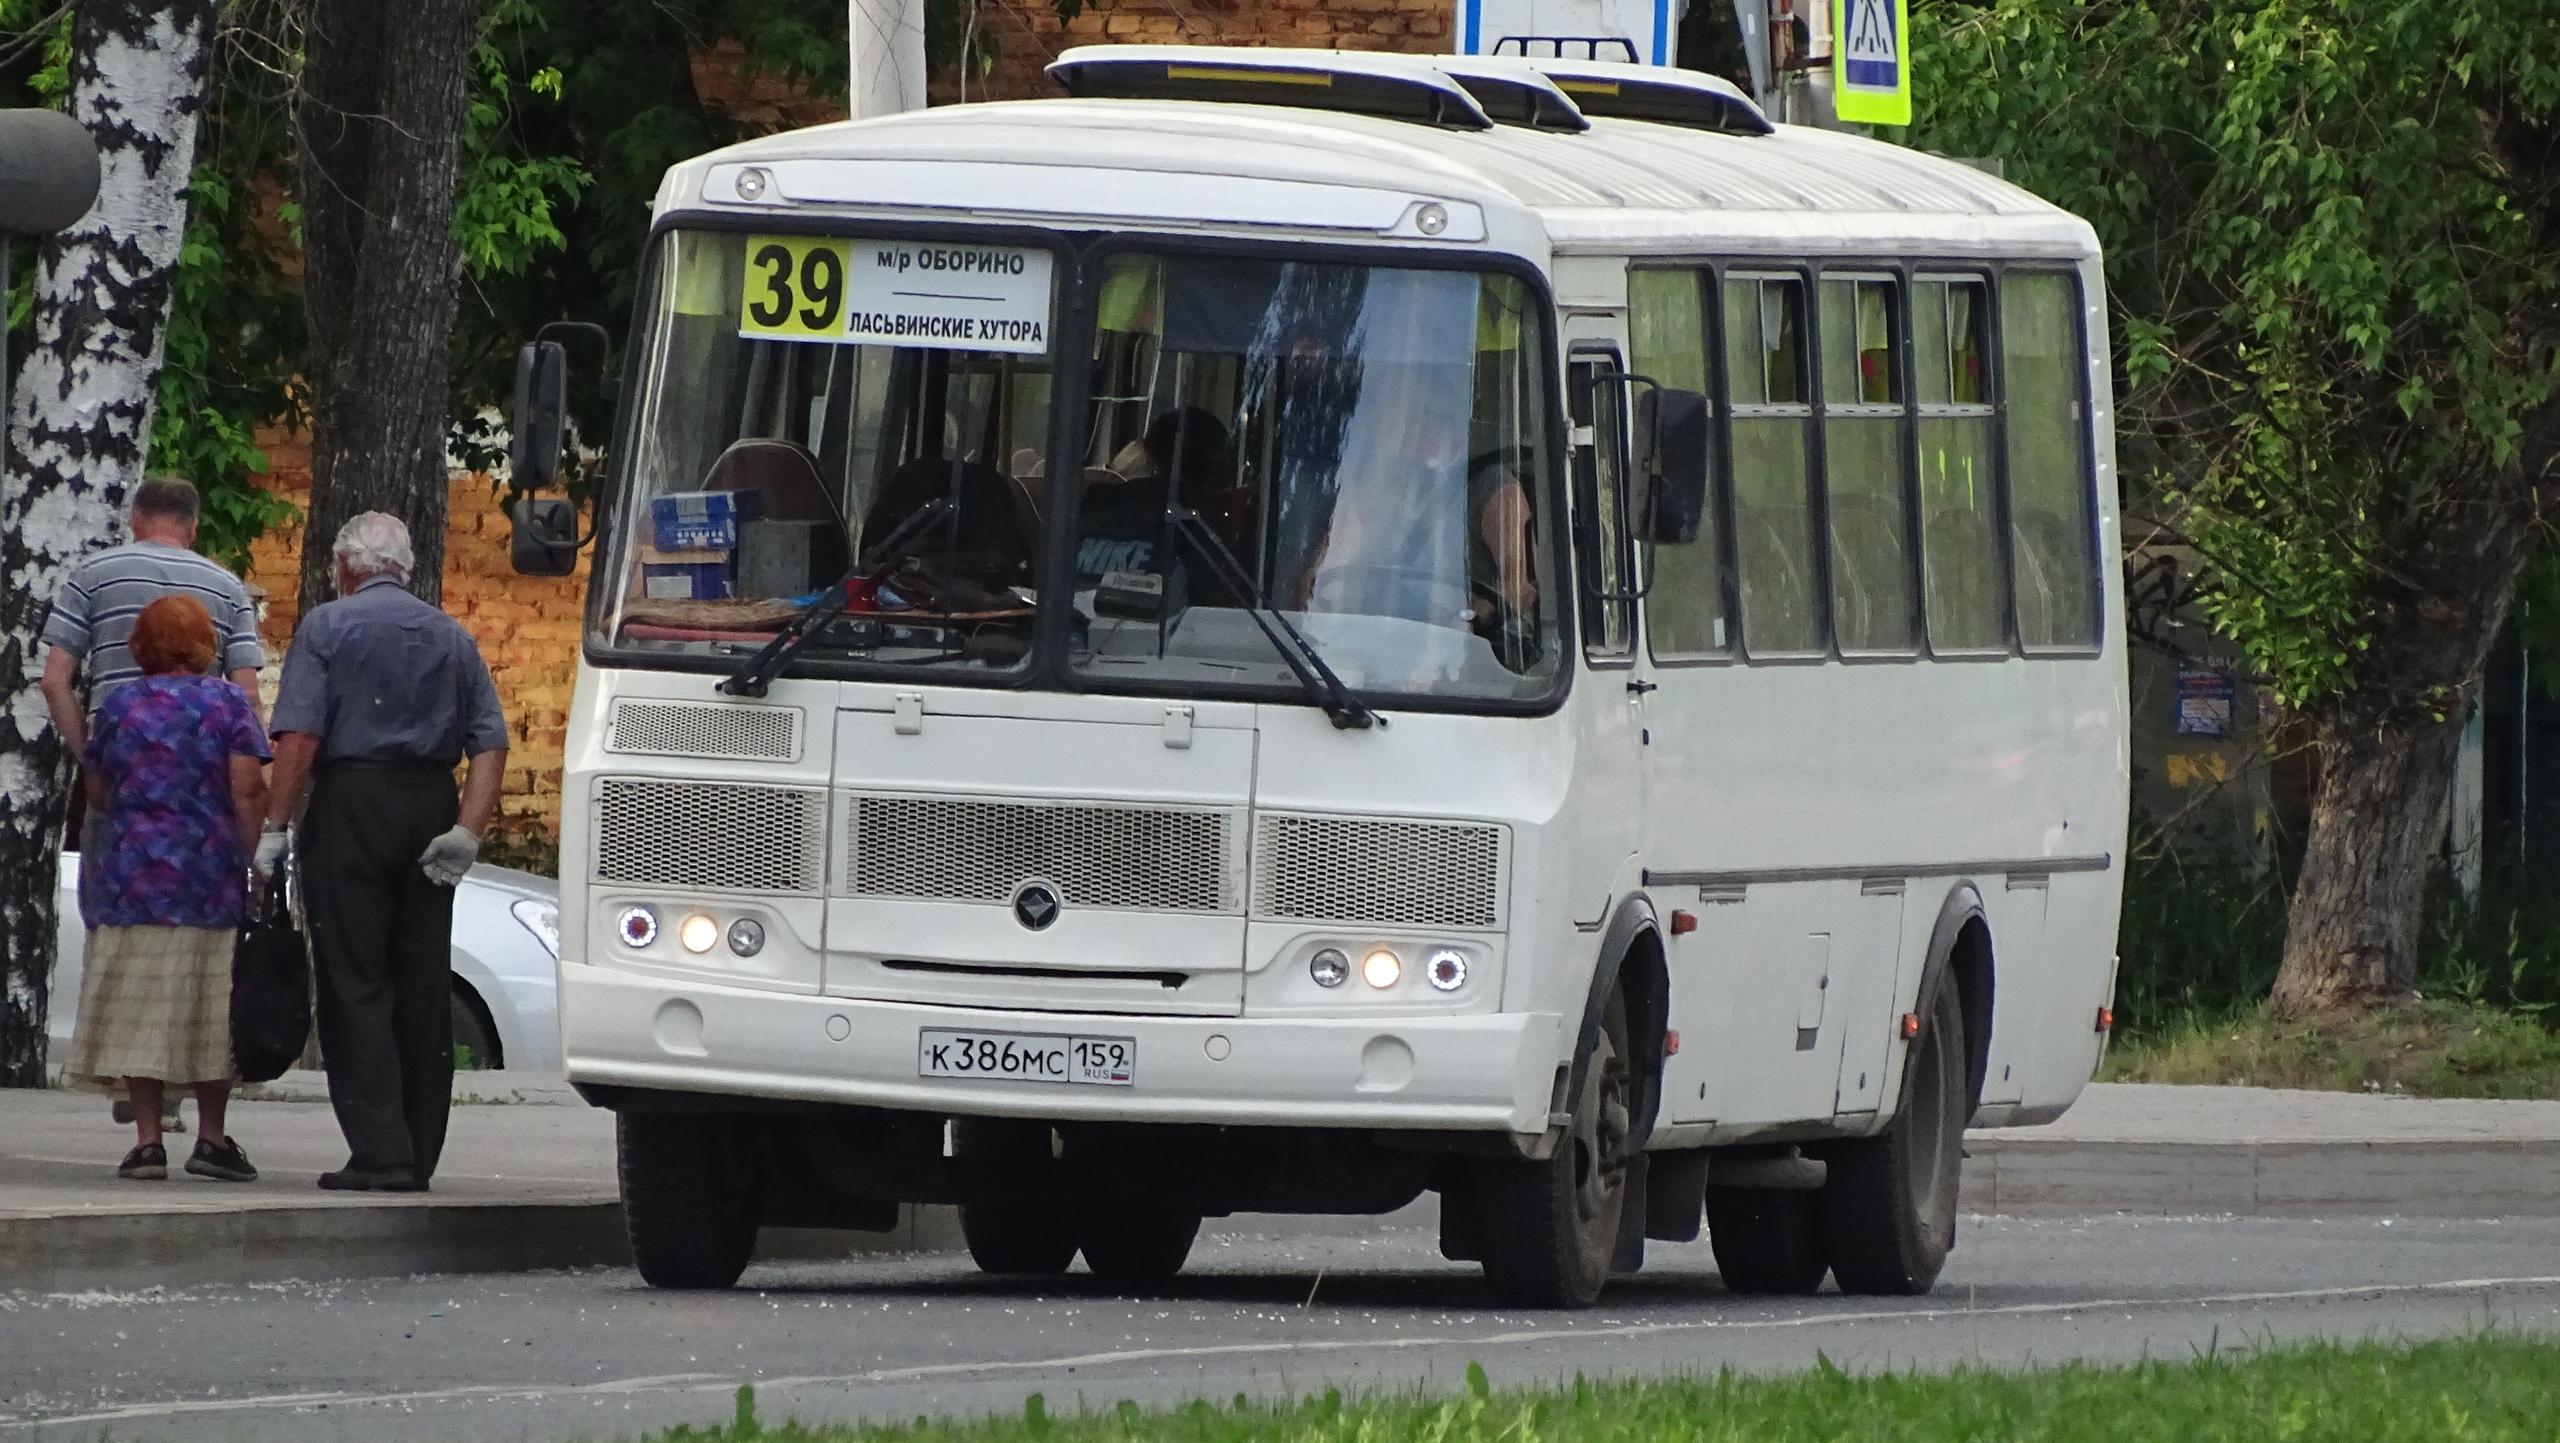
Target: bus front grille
{"type": "Point", "coordinates": [718, 836]}
{"type": "Point", "coordinates": [689, 729]}
{"type": "Point", "coordinates": [1096, 854]}
{"type": "Point", "coordinates": [1377, 872]}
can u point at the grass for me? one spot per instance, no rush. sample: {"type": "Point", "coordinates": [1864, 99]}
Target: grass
{"type": "Point", "coordinates": [2481, 1389]}
{"type": "Point", "coordinates": [2430, 1049]}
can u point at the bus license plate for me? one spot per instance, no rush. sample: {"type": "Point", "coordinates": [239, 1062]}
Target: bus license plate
{"type": "Point", "coordinates": [1027, 1057]}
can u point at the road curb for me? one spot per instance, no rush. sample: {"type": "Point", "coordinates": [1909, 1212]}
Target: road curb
{"type": "Point", "coordinates": [2414, 1177]}
{"type": "Point", "coordinates": [2006, 1174]}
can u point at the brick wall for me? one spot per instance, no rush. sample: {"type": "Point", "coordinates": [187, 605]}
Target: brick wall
{"type": "Point", "coordinates": [527, 626]}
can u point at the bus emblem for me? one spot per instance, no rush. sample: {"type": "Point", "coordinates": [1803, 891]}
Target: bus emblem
{"type": "Point", "coordinates": [1036, 905]}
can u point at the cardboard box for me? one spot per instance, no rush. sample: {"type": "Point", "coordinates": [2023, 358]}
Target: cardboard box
{"type": "Point", "coordinates": [691, 520]}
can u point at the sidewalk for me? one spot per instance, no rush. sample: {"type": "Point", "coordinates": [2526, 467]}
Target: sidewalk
{"type": "Point", "coordinates": [528, 1180]}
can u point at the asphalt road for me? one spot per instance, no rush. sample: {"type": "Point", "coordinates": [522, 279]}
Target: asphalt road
{"type": "Point", "coordinates": [593, 1355]}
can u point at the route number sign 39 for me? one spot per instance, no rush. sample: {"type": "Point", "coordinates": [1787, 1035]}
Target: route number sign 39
{"type": "Point", "coordinates": [933, 294]}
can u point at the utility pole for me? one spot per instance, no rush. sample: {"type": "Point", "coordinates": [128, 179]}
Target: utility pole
{"type": "Point", "coordinates": [885, 39]}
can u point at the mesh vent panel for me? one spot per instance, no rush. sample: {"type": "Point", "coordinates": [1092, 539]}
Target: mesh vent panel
{"type": "Point", "coordinates": [686, 834]}
{"type": "Point", "coordinates": [1350, 869]}
{"type": "Point", "coordinates": [1096, 856]}
{"type": "Point", "coordinates": [680, 729]}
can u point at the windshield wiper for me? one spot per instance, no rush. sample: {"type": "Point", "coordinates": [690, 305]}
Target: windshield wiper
{"type": "Point", "coordinates": [756, 677]}
{"type": "Point", "coordinates": [1347, 711]}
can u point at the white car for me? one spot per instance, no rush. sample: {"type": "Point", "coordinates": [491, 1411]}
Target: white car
{"type": "Point", "coordinates": [506, 944]}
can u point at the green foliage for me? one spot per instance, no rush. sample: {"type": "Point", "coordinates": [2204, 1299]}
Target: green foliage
{"type": "Point", "coordinates": [2326, 224]}
{"type": "Point", "coordinates": [2486, 1389]}
{"type": "Point", "coordinates": [2202, 932]}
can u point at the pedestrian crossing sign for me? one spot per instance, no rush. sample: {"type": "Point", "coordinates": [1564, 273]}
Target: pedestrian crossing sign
{"type": "Point", "coordinates": [1871, 61]}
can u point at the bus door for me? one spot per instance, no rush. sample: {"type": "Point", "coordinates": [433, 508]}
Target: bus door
{"type": "Point", "coordinates": [1609, 701]}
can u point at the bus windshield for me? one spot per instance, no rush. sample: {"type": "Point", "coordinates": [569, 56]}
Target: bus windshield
{"type": "Point", "coordinates": [1362, 448]}
{"type": "Point", "coordinates": [1365, 443]}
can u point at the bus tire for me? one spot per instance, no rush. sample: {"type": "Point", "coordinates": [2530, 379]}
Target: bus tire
{"type": "Point", "coordinates": [1550, 1228]}
{"type": "Point", "coordinates": [1767, 1241]}
{"type": "Point", "coordinates": [1017, 1241]}
{"type": "Point", "coordinates": [691, 1199]}
{"type": "Point", "coordinates": [1888, 1207]}
{"type": "Point", "coordinates": [1139, 1247]}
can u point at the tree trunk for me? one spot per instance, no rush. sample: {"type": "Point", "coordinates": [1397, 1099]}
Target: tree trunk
{"type": "Point", "coordinates": [2377, 822]}
{"type": "Point", "coordinates": [380, 125]}
{"type": "Point", "coordinates": [80, 429]}
{"type": "Point", "coordinates": [2386, 751]}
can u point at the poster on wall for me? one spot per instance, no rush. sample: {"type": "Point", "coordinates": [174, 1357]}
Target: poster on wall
{"type": "Point", "coordinates": [2205, 695]}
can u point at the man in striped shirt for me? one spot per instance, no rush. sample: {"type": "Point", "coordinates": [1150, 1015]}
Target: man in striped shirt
{"type": "Point", "coordinates": [93, 614]}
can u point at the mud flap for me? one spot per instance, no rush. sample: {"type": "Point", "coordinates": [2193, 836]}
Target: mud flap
{"type": "Point", "coordinates": [1675, 1195]}
{"type": "Point", "coordinates": [1628, 1257]}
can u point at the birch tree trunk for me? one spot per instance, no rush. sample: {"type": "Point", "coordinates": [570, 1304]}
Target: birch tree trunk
{"type": "Point", "coordinates": [380, 128]}
{"type": "Point", "coordinates": [80, 429]}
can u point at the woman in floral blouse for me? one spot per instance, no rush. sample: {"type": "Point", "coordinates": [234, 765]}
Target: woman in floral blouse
{"type": "Point", "coordinates": [176, 772]}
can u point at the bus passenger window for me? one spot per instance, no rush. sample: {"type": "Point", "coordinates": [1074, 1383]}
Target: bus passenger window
{"type": "Point", "coordinates": [1764, 343]}
{"type": "Point", "coordinates": [2049, 486]}
{"type": "Point", "coordinates": [1865, 461]}
{"type": "Point", "coordinates": [1959, 501]}
{"type": "Point", "coordinates": [1667, 326]}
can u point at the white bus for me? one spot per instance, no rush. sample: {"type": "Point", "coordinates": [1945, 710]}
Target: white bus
{"type": "Point", "coordinates": [1295, 630]}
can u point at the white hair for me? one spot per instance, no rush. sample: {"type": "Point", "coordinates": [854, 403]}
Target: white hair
{"type": "Point", "coordinates": [375, 544]}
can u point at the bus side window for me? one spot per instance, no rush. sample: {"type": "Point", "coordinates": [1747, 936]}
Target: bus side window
{"type": "Point", "coordinates": [2052, 529]}
{"type": "Point", "coordinates": [1667, 327]}
{"type": "Point", "coordinates": [1865, 463]}
{"type": "Point", "coordinates": [1959, 489]}
{"type": "Point", "coordinates": [1598, 411]}
{"type": "Point", "coordinates": [1765, 363]}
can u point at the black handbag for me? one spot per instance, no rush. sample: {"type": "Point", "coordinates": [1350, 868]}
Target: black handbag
{"type": "Point", "coordinates": [270, 988]}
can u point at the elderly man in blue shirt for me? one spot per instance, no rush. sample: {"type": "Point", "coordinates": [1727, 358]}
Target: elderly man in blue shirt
{"type": "Point", "coordinates": [383, 697]}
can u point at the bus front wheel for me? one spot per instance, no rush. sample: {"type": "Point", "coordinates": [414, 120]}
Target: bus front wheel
{"type": "Point", "coordinates": [1888, 1208]}
{"type": "Point", "coordinates": [1549, 1229]}
{"type": "Point", "coordinates": [691, 1203]}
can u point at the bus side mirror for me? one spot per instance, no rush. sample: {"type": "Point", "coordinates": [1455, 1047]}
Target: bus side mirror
{"type": "Point", "coordinates": [1673, 425]}
{"type": "Point", "coordinates": [538, 417]}
{"type": "Point", "coordinates": [543, 537]}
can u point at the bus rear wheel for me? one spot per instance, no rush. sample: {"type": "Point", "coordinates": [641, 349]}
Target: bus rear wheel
{"type": "Point", "coordinates": [1549, 1229]}
{"type": "Point", "coordinates": [1017, 1241]}
{"type": "Point", "coordinates": [1138, 1247]}
{"type": "Point", "coordinates": [1888, 1208]}
{"type": "Point", "coordinates": [1767, 1240]}
{"type": "Point", "coordinates": [691, 1198]}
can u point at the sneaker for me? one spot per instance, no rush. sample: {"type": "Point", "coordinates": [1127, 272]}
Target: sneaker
{"type": "Point", "coordinates": [147, 1163]}
{"type": "Point", "coordinates": [226, 1161]}
{"type": "Point", "coordinates": [372, 1179]}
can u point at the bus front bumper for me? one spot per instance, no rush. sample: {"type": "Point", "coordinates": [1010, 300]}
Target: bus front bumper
{"type": "Point", "coordinates": [1489, 1072]}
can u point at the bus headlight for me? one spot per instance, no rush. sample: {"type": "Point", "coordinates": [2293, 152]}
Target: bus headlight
{"type": "Point", "coordinates": [746, 936]}
{"type": "Point", "coordinates": [698, 934]}
{"type": "Point", "coordinates": [1446, 969]}
{"type": "Point", "coordinates": [1382, 969]}
{"type": "Point", "coordinates": [1329, 968]}
{"type": "Point", "coordinates": [637, 926]}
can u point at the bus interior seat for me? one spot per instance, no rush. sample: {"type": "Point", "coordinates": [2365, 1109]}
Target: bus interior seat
{"type": "Point", "coordinates": [990, 519]}
{"type": "Point", "coordinates": [782, 473]}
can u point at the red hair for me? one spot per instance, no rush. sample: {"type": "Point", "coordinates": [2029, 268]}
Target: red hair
{"type": "Point", "coordinates": [173, 634]}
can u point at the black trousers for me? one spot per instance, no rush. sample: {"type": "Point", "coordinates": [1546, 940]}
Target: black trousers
{"type": "Point", "coordinates": [382, 950]}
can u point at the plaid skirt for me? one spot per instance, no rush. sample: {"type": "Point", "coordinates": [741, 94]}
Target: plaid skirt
{"type": "Point", "coordinates": [154, 1002]}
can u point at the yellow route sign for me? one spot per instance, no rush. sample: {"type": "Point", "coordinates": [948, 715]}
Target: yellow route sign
{"type": "Point", "coordinates": [795, 288]}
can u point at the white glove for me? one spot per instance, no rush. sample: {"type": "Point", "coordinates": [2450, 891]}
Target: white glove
{"type": "Point", "coordinates": [449, 856]}
{"type": "Point", "coordinates": [270, 857]}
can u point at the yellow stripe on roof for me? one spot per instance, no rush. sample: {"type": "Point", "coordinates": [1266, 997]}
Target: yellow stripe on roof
{"type": "Point", "coordinates": [1587, 87]}
{"type": "Point", "coordinates": [1264, 77]}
